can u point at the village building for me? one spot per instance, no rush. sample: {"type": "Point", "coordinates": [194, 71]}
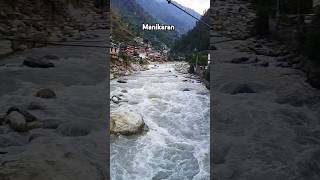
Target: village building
{"type": "Point", "coordinates": [114, 51]}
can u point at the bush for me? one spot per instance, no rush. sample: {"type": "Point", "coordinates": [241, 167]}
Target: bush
{"type": "Point", "coordinates": [124, 56]}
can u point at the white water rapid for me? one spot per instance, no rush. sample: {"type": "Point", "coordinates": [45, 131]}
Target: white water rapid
{"type": "Point", "coordinates": [176, 110]}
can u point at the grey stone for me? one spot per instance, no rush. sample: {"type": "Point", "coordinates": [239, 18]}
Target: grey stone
{"type": "Point", "coordinates": [17, 121]}
{"type": "Point", "coordinates": [28, 116]}
{"type": "Point", "coordinates": [126, 123]}
{"type": "Point", "coordinates": [37, 63]}
{"type": "Point", "coordinates": [186, 89]}
{"type": "Point", "coordinates": [46, 93]}
{"type": "Point", "coordinates": [122, 81]}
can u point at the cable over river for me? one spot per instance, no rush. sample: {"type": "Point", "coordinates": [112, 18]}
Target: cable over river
{"type": "Point", "coordinates": [175, 108]}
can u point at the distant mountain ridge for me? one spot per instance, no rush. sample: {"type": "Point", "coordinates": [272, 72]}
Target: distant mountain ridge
{"type": "Point", "coordinates": [168, 14]}
{"type": "Point", "coordinates": [134, 15]}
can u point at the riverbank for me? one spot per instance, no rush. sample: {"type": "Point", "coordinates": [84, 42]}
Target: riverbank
{"type": "Point", "coordinates": [266, 116]}
{"type": "Point", "coordinates": [68, 103]}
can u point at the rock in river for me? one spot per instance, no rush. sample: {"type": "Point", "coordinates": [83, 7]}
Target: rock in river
{"type": "Point", "coordinates": [122, 81]}
{"type": "Point", "coordinates": [126, 123]}
{"type": "Point", "coordinates": [46, 93]}
{"type": "Point", "coordinates": [17, 121]}
{"type": "Point", "coordinates": [37, 63]}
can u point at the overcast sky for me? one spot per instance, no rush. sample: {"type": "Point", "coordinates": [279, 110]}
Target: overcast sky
{"type": "Point", "coordinates": [197, 5]}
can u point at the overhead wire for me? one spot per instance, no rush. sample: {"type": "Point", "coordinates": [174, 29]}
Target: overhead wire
{"type": "Point", "coordinates": [200, 20]}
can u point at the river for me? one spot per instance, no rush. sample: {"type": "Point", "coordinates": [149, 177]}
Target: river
{"type": "Point", "coordinates": [176, 146]}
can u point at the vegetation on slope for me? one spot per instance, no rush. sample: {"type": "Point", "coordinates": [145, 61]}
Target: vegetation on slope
{"type": "Point", "coordinates": [119, 29]}
{"type": "Point", "coordinates": [197, 38]}
{"type": "Point", "coordinates": [134, 15]}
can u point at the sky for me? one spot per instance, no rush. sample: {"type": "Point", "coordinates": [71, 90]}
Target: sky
{"type": "Point", "coordinates": [197, 5]}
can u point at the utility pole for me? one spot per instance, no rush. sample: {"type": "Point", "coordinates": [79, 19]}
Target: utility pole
{"type": "Point", "coordinates": [195, 50]}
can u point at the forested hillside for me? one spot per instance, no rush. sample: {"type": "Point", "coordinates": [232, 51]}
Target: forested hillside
{"type": "Point", "coordinates": [119, 30]}
{"type": "Point", "coordinates": [134, 15]}
{"type": "Point", "coordinates": [172, 15]}
{"type": "Point", "coordinates": [197, 38]}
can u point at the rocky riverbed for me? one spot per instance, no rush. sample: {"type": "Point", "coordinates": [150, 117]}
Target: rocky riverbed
{"type": "Point", "coordinates": [53, 122]}
{"type": "Point", "coordinates": [173, 140]}
{"type": "Point", "coordinates": [265, 122]}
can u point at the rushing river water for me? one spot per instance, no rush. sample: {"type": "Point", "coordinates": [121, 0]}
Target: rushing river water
{"type": "Point", "coordinates": [176, 146]}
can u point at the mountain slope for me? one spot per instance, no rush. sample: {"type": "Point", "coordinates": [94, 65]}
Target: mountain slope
{"type": "Point", "coordinates": [168, 14]}
{"type": "Point", "coordinates": [119, 30]}
{"type": "Point", "coordinates": [198, 38]}
{"type": "Point", "coordinates": [134, 15]}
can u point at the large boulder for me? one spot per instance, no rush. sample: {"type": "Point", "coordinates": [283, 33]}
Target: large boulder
{"type": "Point", "coordinates": [46, 93]}
{"type": "Point", "coordinates": [37, 63]}
{"type": "Point", "coordinates": [126, 123]}
{"type": "Point", "coordinates": [17, 121]}
{"type": "Point", "coordinates": [28, 116]}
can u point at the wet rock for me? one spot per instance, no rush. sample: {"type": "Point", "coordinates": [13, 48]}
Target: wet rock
{"type": "Point", "coordinates": [28, 116]}
{"type": "Point", "coordinates": [191, 69]}
{"type": "Point", "coordinates": [37, 63]}
{"type": "Point", "coordinates": [186, 89]}
{"type": "Point", "coordinates": [115, 99]}
{"type": "Point", "coordinates": [124, 91]}
{"type": "Point", "coordinates": [74, 129]}
{"type": "Point", "coordinates": [46, 93]}
{"type": "Point", "coordinates": [122, 81]}
{"type": "Point", "coordinates": [112, 76]}
{"type": "Point", "coordinates": [126, 123]}
{"type": "Point", "coordinates": [17, 121]}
